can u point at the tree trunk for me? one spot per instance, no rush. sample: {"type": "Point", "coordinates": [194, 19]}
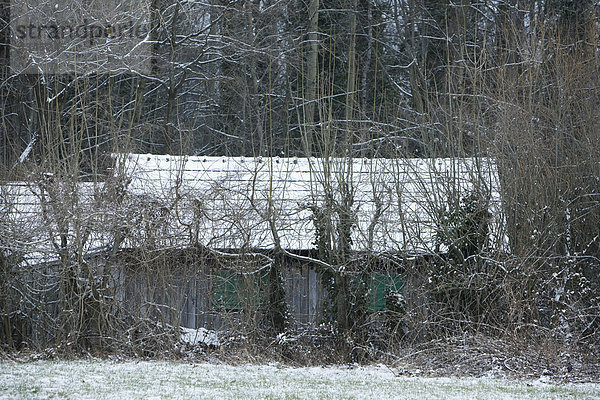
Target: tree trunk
{"type": "Point", "coordinates": [311, 76]}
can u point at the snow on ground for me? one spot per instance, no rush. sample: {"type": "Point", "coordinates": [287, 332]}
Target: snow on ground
{"type": "Point", "coordinates": [170, 380]}
{"type": "Point", "coordinates": [194, 337]}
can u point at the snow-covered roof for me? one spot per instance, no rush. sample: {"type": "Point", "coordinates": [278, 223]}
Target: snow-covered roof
{"type": "Point", "coordinates": [233, 203]}
{"type": "Point", "coordinates": [33, 214]}
{"type": "Point", "coordinates": [237, 202]}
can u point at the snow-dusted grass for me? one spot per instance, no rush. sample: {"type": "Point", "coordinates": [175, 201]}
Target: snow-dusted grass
{"type": "Point", "coordinates": [170, 380]}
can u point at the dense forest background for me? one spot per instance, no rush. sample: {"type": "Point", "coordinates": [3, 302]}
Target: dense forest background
{"type": "Point", "coordinates": [255, 78]}
{"type": "Point", "coordinates": [514, 80]}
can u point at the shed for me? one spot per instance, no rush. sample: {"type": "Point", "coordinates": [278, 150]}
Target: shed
{"type": "Point", "coordinates": [171, 206]}
{"type": "Point", "coordinates": [238, 205]}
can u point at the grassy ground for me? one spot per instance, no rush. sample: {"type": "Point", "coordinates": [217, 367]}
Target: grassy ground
{"type": "Point", "coordinates": [171, 380]}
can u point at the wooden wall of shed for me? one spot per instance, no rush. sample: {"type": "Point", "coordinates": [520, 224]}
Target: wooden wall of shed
{"type": "Point", "coordinates": [178, 287]}
{"type": "Point", "coordinates": [304, 293]}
